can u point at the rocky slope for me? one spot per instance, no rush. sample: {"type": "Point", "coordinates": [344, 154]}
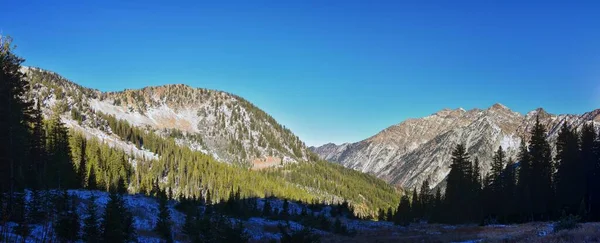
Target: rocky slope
{"type": "Point", "coordinates": [224, 125]}
{"type": "Point", "coordinates": [411, 151]}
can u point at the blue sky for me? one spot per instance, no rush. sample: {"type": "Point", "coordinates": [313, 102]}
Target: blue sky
{"type": "Point", "coordinates": [332, 71]}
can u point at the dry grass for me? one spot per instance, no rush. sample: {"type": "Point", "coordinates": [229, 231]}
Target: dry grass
{"type": "Point", "coordinates": [530, 232]}
{"type": "Point", "coordinates": [589, 232]}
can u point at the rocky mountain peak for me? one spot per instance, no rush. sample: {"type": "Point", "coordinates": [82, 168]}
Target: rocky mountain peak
{"type": "Point", "coordinates": [413, 150]}
{"type": "Point", "coordinates": [450, 113]}
{"type": "Point", "coordinates": [594, 115]}
{"type": "Point", "coordinates": [498, 107]}
{"type": "Point", "coordinates": [538, 112]}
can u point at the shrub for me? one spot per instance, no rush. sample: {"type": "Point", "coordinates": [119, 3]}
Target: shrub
{"type": "Point", "coordinates": [567, 223]}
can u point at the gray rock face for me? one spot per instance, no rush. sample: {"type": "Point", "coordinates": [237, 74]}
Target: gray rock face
{"type": "Point", "coordinates": [408, 153]}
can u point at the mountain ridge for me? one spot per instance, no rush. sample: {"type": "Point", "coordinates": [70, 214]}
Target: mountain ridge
{"type": "Point", "coordinates": [222, 124]}
{"type": "Point", "coordinates": [406, 153]}
{"type": "Point", "coordinates": [228, 143]}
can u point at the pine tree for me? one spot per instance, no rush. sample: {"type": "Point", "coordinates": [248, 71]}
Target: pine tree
{"type": "Point", "coordinates": [403, 213]}
{"type": "Point", "coordinates": [82, 167]}
{"type": "Point", "coordinates": [234, 232]}
{"type": "Point", "coordinates": [415, 205]}
{"type": "Point", "coordinates": [208, 203]}
{"type": "Point", "coordinates": [67, 225]}
{"type": "Point", "coordinates": [509, 190]}
{"type": "Point", "coordinates": [92, 184]}
{"type": "Point", "coordinates": [390, 215]}
{"type": "Point", "coordinates": [91, 233]}
{"type": "Point", "coordinates": [122, 186]}
{"type": "Point", "coordinates": [476, 191]}
{"type": "Point", "coordinates": [589, 155]}
{"type": "Point", "coordinates": [338, 228]}
{"type": "Point", "coordinates": [459, 186]}
{"type": "Point", "coordinates": [426, 199]}
{"type": "Point", "coordinates": [437, 211]}
{"type": "Point", "coordinates": [285, 209]}
{"type": "Point", "coordinates": [63, 173]}
{"type": "Point", "coordinates": [163, 226]}
{"type": "Point", "coordinates": [267, 208]}
{"type": "Point", "coordinates": [22, 219]}
{"type": "Point", "coordinates": [14, 122]}
{"type": "Point", "coordinates": [190, 226]}
{"type": "Point", "coordinates": [542, 170]}
{"type": "Point", "coordinates": [497, 169]}
{"type": "Point", "coordinates": [495, 190]}
{"type": "Point", "coordinates": [36, 214]}
{"type": "Point", "coordinates": [570, 176]}
{"type": "Point", "coordinates": [381, 215]}
{"type": "Point", "coordinates": [38, 165]}
{"type": "Point", "coordinates": [129, 230]}
{"type": "Point", "coordinates": [524, 185]}
{"type": "Point", "coordinates": [117, 221]}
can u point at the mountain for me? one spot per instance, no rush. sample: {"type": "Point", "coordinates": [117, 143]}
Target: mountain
{"type": "Point", "coordinates": [196, 143]}
{"type": "Point", "coordinates": [407, 153]}
{"type": "Point", "coordinates": [224, 125]}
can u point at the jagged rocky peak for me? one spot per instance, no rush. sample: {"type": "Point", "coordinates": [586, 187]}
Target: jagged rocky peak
{"type": "Point", "coordinates": [594, 115]}
{"type": "Point", "coordinates": [499, 107]}
{"type": "Point", "coordinates": [413, 150]}
{"type": "Point", "coordinates": [329, 145]}
{"type": "Point", "coordinates": [538, 112]}
{"type": "Point", "coordinates": [447, 112]}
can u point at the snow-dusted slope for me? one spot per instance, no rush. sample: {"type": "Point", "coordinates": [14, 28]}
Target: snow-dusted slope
{"type": "Point", "coordinates": [145, 211]}
{"type": "Point", "coordinates": [214, 122]}
{"type": "Point", "coordinates": [407, 153]}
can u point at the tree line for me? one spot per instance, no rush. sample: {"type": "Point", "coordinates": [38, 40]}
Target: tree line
{"type": "Point", "coordinates": [532, 187]}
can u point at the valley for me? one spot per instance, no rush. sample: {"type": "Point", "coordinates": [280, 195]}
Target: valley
{"type": "Point", "coordinates": [174, 163]}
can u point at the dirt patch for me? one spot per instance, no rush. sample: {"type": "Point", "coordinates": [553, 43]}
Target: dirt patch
{"type": "Point", "coordinates": [263, 163]}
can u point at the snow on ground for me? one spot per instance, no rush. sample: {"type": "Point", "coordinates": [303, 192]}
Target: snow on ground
{"type": "Point", "coordinates": [112, 140]}
{"type": "Point", "coordinates": [159, 117]}
{"type": "Point", "coordinates": [145, 212]}
{"type": "Point", "coordinates": [119, 112]}
{"type": "Point", "coordinates": [261, 229]}
{"type": "Point", "coordinates": [143, 208]}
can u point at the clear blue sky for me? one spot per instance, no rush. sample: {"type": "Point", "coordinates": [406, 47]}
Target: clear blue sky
{"type": "Point", "coordinates": [332, 71]}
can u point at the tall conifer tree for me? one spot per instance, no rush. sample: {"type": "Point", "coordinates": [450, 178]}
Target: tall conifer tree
{"type": "Point", "coordinates": [524, 186]}
{"type": "Point", "coordinates": [541, 173]}
{"type": "Point", "coordinates": [15, 115]}
{"type": "Point", "coordinates": [570, 174]}
{"type": "Point", "coordinates": [589, 155]}
{"type": "Point", "coordinates": [459, 185]}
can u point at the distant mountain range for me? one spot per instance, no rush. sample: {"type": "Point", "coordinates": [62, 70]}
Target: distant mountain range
{"type": "Point", "coordinates": [413, 150]}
